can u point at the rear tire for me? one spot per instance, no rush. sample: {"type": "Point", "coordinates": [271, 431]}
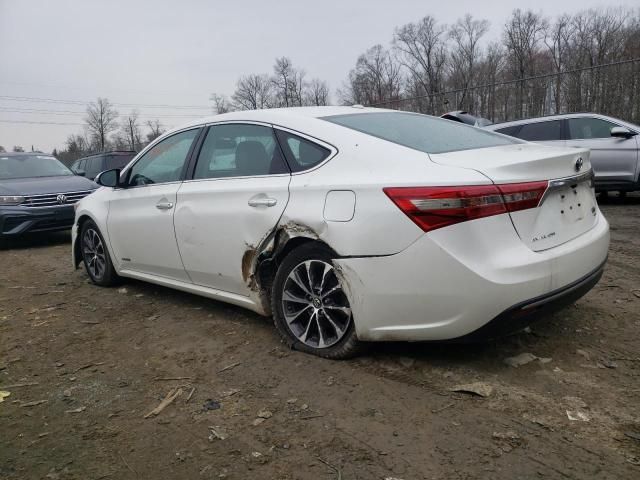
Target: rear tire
{"type": "Point", "coordinates": [95, 256]}
{"type": "Point", "coordinates": [310, 309]}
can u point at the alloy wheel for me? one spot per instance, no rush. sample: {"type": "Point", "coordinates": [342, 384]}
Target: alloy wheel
{"type": "Point", "coordinates": [315, 307]}
{"type": "Point", "coordinates": [94, 254]}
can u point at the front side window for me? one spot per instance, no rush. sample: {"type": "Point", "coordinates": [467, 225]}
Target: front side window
{"type": "Point", "coordinates": [239, 150]}
{"type": "Point", "coordinates": [30, 166]}
{"type": "Point", "coordinates": [301, 153]}
{"type": "Point", "coordinates": [420, 132]}
{"type": "Point", "coordinates": [164, 162]}
{"type": "Point", "coordinates": [541, 131]}
{"type": "Point", "coordinates": [585, 128]}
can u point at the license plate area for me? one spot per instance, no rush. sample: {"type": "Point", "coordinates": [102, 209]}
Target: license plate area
{"type": "Point", "coordinates": [568, 209]}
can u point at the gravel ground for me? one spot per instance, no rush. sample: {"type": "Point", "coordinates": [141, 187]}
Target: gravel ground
{"type": "Point", "coordinates": [85, 365]}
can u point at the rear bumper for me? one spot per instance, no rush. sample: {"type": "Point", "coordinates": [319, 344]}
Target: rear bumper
{"type": "Point", "coordinates": [454, 281]}
{"type": "Point", "coordinates": [525, 313]}
{"type": "Point", "coordinates": [20, 220]}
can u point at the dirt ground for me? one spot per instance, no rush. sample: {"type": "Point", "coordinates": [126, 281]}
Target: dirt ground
{"type": "Point", "coordinates": [84, 365]}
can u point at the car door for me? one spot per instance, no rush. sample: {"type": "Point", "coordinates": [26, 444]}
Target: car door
{"type": "Point", "coordinates": [140, 221]}
{"type": "Point", "coordinates": [614, 159]}
{"type": "Point", "coordinates": [238, 191]}
{"type": "Point", "coordinates": [547, 132]}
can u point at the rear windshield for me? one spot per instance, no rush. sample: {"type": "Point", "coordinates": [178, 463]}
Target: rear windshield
{"type": "Point", "coordinates": [420, 132]}
{"type": "Point", "coordinates": [28, 166]}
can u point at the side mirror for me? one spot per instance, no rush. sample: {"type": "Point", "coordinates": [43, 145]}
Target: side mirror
{"type": "Point", "coordinates": [109, 178]}
{"type": "Point", "coordinates": [80, 173]}
{"type": "Point", "coordinates": [621, 132]}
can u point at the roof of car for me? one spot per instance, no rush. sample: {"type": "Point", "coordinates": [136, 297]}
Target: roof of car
{"type": "Point", "coordinates": [546, 118]}
{"type": "Point", "coordinates": [112, 152]}
{"type": "Point", "coordinates": [278, 115]}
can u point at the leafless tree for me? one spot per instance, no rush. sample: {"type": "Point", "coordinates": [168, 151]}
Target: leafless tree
{"type": "Point", "coordinates": [130, 131]}
{"type": "Point", "coordinates": [221, 103]}
{"type": "Point", "coordinates": [376, 78]}
{"type": "Point", "coordinates": [465, 54]}
{"type": "Point", "coordinates": [421, 50]}
{"type": "Point", "coordinates": [522, 35]}
{"type": "Point", "coordinates": [2, 149]}
{"type": "Point", "coordinates": [288, 83]}
{"type": "Point", "coordinates": [155, 130]}
{"type": "Point", "coordinates": [316, 93]}
{"type": "Point", "coordinates": [18, 148]}
{"type": "Point", "coordinates": [101, 120]}
{"type": "Point", "coordinates": [253, 92]}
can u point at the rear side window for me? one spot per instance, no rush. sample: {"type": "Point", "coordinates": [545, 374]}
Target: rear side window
{"type": "Point", "coordinates": [509, 130]}
{"type": "Point", "coordinates": [117, 161]}
{"type": "Point", "coordinates": [94, 167]}
{"type": "Point", "coordinates": [585, 128]}
{"type": "Point", "coordinates": [239, 150]}
{"type": "Point", "coordinates": [301, 153]}
{"type": "Point", "coordinates": [541, 131]}
{"type": "Point", "coordinates": [420, 132]}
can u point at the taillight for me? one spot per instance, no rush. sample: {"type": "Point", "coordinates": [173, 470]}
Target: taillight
{"type": "Point", "coordinates": [436, 207]}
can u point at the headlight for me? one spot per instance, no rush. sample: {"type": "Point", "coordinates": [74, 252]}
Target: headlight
{"type": "Point", "coordinates": [11, 199]}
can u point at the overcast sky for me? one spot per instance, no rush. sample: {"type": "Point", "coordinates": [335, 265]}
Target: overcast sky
{"type": "Point", "coordinates": [156, 52]}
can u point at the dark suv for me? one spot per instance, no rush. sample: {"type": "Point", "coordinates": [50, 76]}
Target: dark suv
{"type": "Point", "coordinates": [92, 165]}
{"type": "Point", "coordinates": [37, 193]}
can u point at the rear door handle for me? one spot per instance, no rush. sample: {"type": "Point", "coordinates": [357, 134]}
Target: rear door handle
{"type": "Point", "coordinates": [164, 206]}
{"type": "Point", "coordinates": [262, 202]}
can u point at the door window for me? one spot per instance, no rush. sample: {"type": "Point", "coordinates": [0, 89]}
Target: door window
{"type": "Point", "coordinates": [164, 162]}
{"type": "Point", "coordinates": [239, 150]}
{"type": "Point", "coordinates": [585, 128]}
{"type": "Point", "coordinates": [301, 153]}
{"type": "Point", "coordinates": [541, 131]}
{"type": "Point", "coordinates": [93, 167]}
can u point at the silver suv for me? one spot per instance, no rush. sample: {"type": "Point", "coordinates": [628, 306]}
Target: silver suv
{"type": "Point", "coordinates": [614, 144]}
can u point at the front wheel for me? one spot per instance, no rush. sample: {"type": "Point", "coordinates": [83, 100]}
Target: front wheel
{"type": "Point", "coordinates": [310, 308]}
{"type": "Point", "coordinates": [95, 256]}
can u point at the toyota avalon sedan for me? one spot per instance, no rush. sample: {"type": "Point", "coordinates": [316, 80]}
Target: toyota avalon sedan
{"type": "Point", "coordinates": [37, 194]}
{"type": "Point", "coordinates": [351, 224]}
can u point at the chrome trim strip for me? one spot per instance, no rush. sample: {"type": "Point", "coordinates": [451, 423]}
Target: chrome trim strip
{"type": "Point", "coordinates": [564, 182]}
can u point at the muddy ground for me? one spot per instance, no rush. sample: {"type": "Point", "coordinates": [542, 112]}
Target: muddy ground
{"type": "Point", "coordinates": [84, 365]}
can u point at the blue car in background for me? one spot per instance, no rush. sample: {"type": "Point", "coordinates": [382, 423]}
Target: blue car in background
{"type": "Point", "coordinates": [37, 193]}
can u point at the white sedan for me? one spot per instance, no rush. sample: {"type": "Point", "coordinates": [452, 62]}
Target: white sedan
{"type": "Point", "coordinates": [351, 224]}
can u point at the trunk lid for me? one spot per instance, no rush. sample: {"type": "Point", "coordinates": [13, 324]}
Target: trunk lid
{"type": "Point", "coordinates": [568, 208]}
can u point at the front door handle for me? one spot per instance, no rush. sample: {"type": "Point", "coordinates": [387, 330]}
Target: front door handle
{"type": "Point", "coordinates": [262, 202]}
{"type": "Point", "coordinates": [164, 206]}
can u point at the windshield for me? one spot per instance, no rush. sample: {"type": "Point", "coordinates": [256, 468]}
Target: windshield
{"type": "Point", "coordinates": [27, 166]}
{"type": "Point", "coordinates": [421, 132]}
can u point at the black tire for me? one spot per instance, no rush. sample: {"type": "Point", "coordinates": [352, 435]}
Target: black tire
{"type": "Point", "coordinates": [338, 326]}
{"type": "Point", "coordinates": [95, 256]}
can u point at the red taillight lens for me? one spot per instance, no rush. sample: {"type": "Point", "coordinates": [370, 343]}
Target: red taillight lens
{"type": "Point", "coordinates": [436, 207]}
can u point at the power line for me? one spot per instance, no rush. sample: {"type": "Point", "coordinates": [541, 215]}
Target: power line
{"type": "Point", "coordinates": [80, 102]}
{"type": "Point", "coordinates": [78, 112]}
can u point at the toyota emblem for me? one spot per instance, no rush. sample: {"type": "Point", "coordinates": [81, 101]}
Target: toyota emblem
{"type": "Point", "coordinates": [579, 163]}
{"type": "Point", "coordinates": [61, 199]}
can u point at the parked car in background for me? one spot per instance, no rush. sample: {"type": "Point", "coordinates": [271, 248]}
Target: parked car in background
{"type": "Point", "coordinates": [352, 224]}
{"type": "Point", "coordinates": [92, 165]}
{"type": "Point", "coordinates": [37, 193]}
{"type": "Point", "coordinates": [465, 117]}
{"type": "Point", "coordinates": [614, 144]}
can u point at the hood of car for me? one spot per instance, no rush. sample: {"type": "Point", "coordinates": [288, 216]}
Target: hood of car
{"type": "Point", "coordinates": [44, 185]}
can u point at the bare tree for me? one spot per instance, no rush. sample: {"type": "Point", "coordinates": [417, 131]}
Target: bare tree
{"type": "Point", "coordinates": [522, 35]}
{"type": "Point", "coordinates": [465, 34]}
{"type": "Point", "coordinates": [376, 78]}
{"type": "Point", "coordinates": [156, 129]}
{"type": "Point", "coordinates": [422, 51]}
{"type": "Point", "coordinates": [101, 120]}
{"type": "Point", "coordinates": [18, 148]}
{"type": "Point", "coordinates": [316, 93]}
{"type": "Point", "coordinates": [288, 83]}
{"type": "Point", "coordinates": [221, 103]}
{"type": "Point", "coordinates": [130, 131]}
{"type": "Point", "coordinates": [2, 149]}
{"type": "Point", "coordinates": [253, 92]}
